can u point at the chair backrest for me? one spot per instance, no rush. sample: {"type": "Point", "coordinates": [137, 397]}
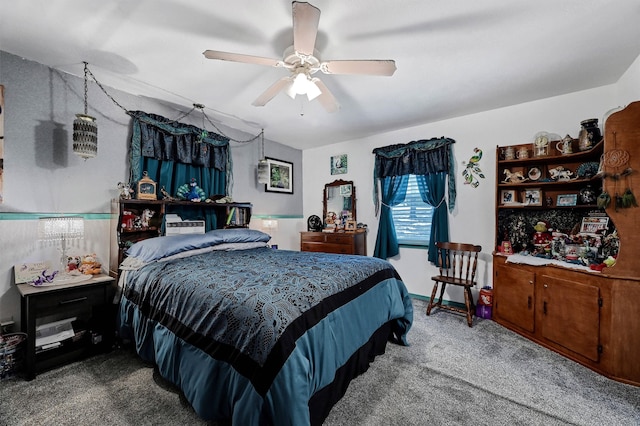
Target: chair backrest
{"type": "Point", "coordinates": [458, 260]}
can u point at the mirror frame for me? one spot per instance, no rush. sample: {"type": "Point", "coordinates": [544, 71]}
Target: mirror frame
{"type": "Point", "coordinates": [337, 183]}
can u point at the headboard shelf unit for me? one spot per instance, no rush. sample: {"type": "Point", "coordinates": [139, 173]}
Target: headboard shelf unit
{"type": "Point", "coordinates": [142, 219]}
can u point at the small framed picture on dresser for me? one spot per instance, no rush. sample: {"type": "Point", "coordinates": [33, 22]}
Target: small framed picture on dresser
{"type": "Point", "coordinates": [351, 226]}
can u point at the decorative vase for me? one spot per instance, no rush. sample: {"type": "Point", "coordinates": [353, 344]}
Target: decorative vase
{"type": "Point", "coordinates": [589, 134]}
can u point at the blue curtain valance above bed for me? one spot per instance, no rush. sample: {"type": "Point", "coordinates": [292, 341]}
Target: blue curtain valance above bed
{"type": "Point", "coordinates": [162, 139]}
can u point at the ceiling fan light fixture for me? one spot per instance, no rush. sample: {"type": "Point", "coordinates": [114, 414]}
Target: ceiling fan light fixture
{"type": "Point", "coordinates": [313, 91]}
{"type": "Point", "coordinates": [300, 84]}
{"type": "Point", "coordinates": [290, 90]}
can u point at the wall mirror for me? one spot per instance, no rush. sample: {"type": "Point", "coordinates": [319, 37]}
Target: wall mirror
{"type": "Point", "coordinates": [339, 202]}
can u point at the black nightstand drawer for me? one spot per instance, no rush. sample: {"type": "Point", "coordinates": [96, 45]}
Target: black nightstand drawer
{"type": "Point", "coordinates": [73, 299]}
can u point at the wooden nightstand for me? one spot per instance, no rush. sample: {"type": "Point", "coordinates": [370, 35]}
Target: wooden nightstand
{"type": "Point", "coordinates": [89, 301]}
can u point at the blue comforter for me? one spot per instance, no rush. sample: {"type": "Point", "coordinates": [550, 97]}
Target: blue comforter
{"type": "Point", "coordinates": [253, 334]}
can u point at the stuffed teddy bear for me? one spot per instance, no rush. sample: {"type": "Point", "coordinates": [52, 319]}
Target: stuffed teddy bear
{"type": "Point", "coordinates": [90, 265]}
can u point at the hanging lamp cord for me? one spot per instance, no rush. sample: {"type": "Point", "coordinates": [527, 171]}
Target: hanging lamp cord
{"type": "Point", "coordinates": [86, 92]}
{"type": "Point", "coordinates": [201, 107]}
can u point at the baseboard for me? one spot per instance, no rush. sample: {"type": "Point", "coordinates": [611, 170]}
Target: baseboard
{"type": "Point", "coordinates": [444, 302]}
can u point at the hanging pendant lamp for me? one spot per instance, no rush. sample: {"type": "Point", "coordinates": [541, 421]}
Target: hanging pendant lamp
{"type": "Point", "coordinates": [263, 165]}
{"type": "Point", "coordinates": [85, 129]}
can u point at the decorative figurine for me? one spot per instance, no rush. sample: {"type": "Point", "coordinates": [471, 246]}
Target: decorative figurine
{"type": "Point", "coordinates": [191, 192]}
{"type": "Point", "coordinates": [125, 190]}
{"type": "Point", "coordinates": [514, 177]}
{"type": "Point", "coordinates": [560, 173]}
{"type": "Point", "coordinates": [146, 218]}
{"type": "Point", "coordinates": [166, 195]}
{"type": "Point", "coordinates": [542, 236]}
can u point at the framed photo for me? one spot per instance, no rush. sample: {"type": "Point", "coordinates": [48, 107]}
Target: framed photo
{"type": "Point", "coordinates": [567, 200]}
{"type": "Point", "coordinates": [280, 176]}
{"type": "Point", "coordinates": [594, 225]}
{"type": "Point", "coordinates": [533, 197]}
{"type": "Point", "coordinates": [350, 226]}
{"type": "Point", "coordinates": [339, 164]}
{"type": "Point", "coordinates": [508, 196]}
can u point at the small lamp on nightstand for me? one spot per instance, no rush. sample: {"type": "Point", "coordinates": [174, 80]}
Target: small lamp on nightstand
{"type": "Point", "coordinates": [61, 229]}
{"type": "Point", "coordinates": [270, 226]}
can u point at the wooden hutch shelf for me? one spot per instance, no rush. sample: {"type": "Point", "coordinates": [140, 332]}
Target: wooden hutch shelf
{"type": "Point", "coordinates": [587, 316]}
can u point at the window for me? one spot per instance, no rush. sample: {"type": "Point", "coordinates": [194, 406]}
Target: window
{"type": "Point", "coordinates": [412, 218]}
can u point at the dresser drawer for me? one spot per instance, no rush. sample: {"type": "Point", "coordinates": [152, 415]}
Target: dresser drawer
{"type": "Point", "coordinates": [339, 238]}
{"type": "Point", "coordinates": [315, 237]}
{"type": "Point", "coordinates": [327, 248]}
{"type": "Point", "coordinates": [71, 299]}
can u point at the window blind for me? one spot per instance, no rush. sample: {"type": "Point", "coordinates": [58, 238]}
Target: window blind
{"type": "Point", "coordinates": [412, 218]}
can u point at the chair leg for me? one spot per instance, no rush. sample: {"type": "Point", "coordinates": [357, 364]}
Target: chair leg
{"type": "Point", "coordinates": [444, 285]}
{"type": "Point", "coordinates": [433, 295]}
{"type": "Point", "coordinates": [468, 301]}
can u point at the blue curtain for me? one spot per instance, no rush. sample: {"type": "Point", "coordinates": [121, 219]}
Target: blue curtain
{"type": "Point", "coordinates": [432, 189]}
{"type": "Point", "coordinates": [173, 153]}
{"type": "Point", "coordinates": [394, 189]}
{"type": "Point", "coordinates": [433, 164]}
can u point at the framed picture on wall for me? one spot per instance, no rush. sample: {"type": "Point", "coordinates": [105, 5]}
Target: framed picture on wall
{"type": "Point", "coordinates": [339, 164]}
{"type": "Point", "coordinates": [280, 176]}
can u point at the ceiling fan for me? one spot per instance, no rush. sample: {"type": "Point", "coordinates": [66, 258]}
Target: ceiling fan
{"type": "Point", "coordinates": [302, 61]}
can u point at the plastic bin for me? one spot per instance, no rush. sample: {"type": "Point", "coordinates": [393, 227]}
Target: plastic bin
{"type": "Point", "coordinates": [11, 354]}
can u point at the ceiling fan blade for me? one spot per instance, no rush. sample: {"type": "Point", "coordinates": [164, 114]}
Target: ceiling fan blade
{"type": "Point", "coordinates": [236, 57]}
{"type": "Point", "coordinates": [326, 98]}
{"type": "Point", "coordinates": [272, 91]}
{"type": "Point", "coordinates": [305, 27]}
{"type": "Point", "coordinates": [362, 67]}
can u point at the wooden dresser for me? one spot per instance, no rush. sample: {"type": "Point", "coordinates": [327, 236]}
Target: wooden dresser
{"type": "Point", "coordinates": [338, 242]}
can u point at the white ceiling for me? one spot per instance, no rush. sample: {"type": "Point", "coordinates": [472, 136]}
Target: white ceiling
{"type": "Point", "coordinates": [454, 57]}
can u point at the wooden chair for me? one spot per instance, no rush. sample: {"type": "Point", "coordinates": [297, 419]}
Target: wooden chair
{"type": "Point", "coordinates": [457, 263]}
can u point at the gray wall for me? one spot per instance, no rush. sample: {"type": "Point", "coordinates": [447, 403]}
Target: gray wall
{"type": "Point", "coordinates": [43, 175]}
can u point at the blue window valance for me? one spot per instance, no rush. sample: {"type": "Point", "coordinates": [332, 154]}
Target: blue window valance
{"type": "Point", "coordinates": [162, 139]}
{"type": "Point", "coordinates": [421, 157]}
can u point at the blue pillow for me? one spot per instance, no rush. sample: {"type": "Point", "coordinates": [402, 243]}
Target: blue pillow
{"type": "Point", "coordinates": [159, 247]}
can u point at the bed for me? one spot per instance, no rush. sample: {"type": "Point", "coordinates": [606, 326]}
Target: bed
{"type": "Point", "coordinates": [254, 334]}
